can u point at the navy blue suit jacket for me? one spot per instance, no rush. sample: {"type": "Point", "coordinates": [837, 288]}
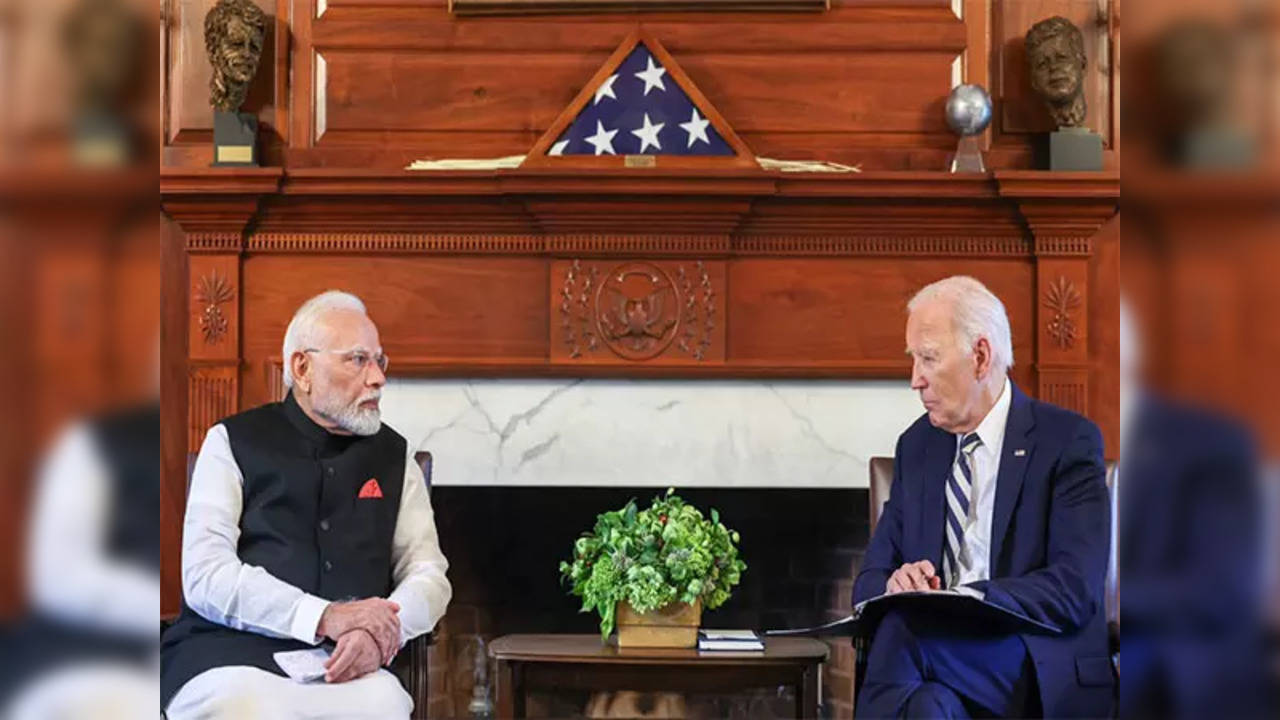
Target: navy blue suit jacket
{"type": "Point", "coordinates": [1050, 538]}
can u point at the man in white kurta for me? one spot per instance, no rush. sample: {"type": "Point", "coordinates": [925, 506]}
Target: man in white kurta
{"type": "Point", "coordinates": [303, 487]}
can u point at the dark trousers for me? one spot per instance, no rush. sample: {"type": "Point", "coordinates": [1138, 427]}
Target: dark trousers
{"type": "Point", "coordinates": [922, 667]}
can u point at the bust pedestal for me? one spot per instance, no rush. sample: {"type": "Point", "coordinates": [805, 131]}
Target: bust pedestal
{"type": "Point", "coordinates": [1073, 148]}
{"type": "Point", "coordinates": [235, 137]}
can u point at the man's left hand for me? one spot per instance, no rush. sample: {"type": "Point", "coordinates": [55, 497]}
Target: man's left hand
{"type": "Point", "coordinates": [356, 655]}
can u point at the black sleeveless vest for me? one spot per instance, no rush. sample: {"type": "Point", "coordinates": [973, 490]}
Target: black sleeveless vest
{"type": "Point", "coordinates": [302, 521]}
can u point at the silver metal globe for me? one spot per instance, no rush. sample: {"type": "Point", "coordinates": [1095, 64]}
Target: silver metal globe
{"type": "Point", "coordinates": [968, 110]}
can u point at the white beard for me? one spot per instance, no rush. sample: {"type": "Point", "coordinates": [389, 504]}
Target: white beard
{"type": "Point", "coordinates": [352, 418]}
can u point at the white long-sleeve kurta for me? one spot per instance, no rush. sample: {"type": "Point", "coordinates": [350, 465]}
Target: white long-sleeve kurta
{"type": "Point", "coordinates": [222, 589]}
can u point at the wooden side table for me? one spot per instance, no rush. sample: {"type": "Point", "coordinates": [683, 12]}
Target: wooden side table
{"type": "Point", "coordinates": [581, 662]}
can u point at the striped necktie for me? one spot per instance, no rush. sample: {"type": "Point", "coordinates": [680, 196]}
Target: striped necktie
{"type": "Point", "coordinates": [959, 490]}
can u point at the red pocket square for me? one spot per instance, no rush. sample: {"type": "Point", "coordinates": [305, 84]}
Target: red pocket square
{"type": "Point", "coordinates": [371, 489]}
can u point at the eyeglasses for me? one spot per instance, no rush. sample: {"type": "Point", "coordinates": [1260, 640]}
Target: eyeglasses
{"type": "Point", "coordinates": [357, 360]}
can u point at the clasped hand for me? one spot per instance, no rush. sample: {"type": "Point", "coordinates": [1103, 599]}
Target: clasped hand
{"type": "Point", "coordinates": [367, 633]}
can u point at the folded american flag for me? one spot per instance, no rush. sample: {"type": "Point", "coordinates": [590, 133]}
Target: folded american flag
{"type": "Point", "coordinates": [640, 110]}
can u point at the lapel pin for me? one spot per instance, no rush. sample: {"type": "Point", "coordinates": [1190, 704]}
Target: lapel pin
{"type": "Point", "coordinates": [1019, 452]}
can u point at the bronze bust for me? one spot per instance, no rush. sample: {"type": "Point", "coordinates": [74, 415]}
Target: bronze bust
{"type": "Point", "coordinates": [233, 35]}
{"type": "Point", "coordinates": [1056, 59]}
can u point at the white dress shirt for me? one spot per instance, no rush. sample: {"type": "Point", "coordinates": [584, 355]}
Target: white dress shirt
{"type": "Point", "coordinates": [975, 559]}
{"type": "Point", "coordinates": [222, 589]}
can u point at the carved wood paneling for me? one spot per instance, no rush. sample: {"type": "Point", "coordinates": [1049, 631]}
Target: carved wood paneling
{"type": "Point", "coordinates": [1104, 333]}
{"type": "Point", "coordinates": [439, 93]}
{"type": "Point", "coordinates": [1065, 387]}
{"type": "Point", "coordinates": [444, 92]}
{"type": "Point", "coordinates": [1062, 230]}
{"type": "Point", "coordinates": [174, 429]}
{"type": "Point", "coordinates": [448, 244]}
{"type": "Point", "coordinates": [1081, 245]}
{"type": "Point", "coordinates": [455, 309]}
{"type": "Point", "coordinates": [274, 379]}
{"type": "Point", "coordinates": [212, 394]}
{"type": "Point", "coordinates": [1062, 306]}
{"type": "Point", "coordinates": [710, 245]}
{"type": "Point", "coordinates": [638, 244]}
{"type": "Point", "coordinates": [885, 245]}
{"type": "Point", "coordinates": [811, 303]}
{"type": "Point", "coordinates": [392, 243]}
{"type": "Point", "coordinates": [1062, 330]}
{"type": "Point", "coordinates": [856, 25]}
{"type": "Point", "coordinates": [214, 307]}
{"type": "Point", "coordinates": [897, 92]}
{"type": "Point", "coordinates": [214, 242]}
{"type": "Point", "coordinates": [636, 311]}
{"type": "Point", "coordinates": [802, 310]}
{"type": "Point", "coordinates": [214, 291]}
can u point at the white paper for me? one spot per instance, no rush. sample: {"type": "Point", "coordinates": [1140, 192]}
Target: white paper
{"type": "Point", "coordinates": [963, 590]}
{"type": "Point", "coordinates": [499, 163]}
{"type": "Point", "coordinates": [303, 665]}
{"type": "Point", "coordinates": [740, 635]}
{"type": "Point", "coordinates": [730, 645]}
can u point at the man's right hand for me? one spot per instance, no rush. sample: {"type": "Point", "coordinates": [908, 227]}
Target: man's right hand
{"type": "Point", "coordinates": [377, 616]}
{"type": "Point", "coordinates": [918, 575]}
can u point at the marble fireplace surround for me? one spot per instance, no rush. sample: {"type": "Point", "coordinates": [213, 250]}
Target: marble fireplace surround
{"type": "Point", "coordinates": [650, 433]}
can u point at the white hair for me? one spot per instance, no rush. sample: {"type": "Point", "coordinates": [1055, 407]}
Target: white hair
{"type": "Point", "coordinates": [304, 331]}
{"type": "Point", "coordinates": [975, 313]}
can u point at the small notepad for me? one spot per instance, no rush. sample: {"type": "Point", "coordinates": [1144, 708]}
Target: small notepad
{"type": "Point", "coordinates": [303, 665]}
{"type": "Point", "coordinates": [729, 640]}
{"type": "Point", "coordinates": [739, 635]}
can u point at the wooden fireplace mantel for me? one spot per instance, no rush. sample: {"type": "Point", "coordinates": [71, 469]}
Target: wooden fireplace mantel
{"type": "Point", "coordinates": [551, 272]}
{"type": "Point", "coordinates": [175, 181]}
{"type": "Point", "coordinates": [728, 212]}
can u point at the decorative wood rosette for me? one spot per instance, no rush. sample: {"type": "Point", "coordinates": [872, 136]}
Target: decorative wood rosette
{"type": "Point", "coordinates": [212, 292]}
{"type": "Point", "coordinates": [1062, 300]}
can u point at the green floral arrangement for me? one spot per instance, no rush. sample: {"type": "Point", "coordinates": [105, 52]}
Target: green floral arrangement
{"type": "Point", "coordinates": [651, 558]}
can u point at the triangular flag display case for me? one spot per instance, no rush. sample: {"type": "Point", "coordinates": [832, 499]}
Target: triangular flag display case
{"type": "Point", "coordinates": [611, 124]}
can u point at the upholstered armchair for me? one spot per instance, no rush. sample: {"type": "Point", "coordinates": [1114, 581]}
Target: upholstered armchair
{"type": "Point", "coordinates": [410, 666]}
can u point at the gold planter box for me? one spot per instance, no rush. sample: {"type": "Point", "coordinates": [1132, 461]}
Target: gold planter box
{"type": "Point", "coordinates": [674, 626]}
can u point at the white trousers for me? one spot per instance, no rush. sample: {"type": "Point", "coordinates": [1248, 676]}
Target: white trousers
{"type": "Point", "coordinates": [247, 693]}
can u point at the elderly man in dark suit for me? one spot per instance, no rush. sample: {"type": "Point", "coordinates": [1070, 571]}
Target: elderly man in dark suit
{"type": "Point", "coordinates": [1004, 497]}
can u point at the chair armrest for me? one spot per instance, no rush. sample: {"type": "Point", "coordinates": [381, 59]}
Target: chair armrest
{"type": "Point", "coordinates": [410, 667]}
{"type": "Point", "coordinates": [861, 645]}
